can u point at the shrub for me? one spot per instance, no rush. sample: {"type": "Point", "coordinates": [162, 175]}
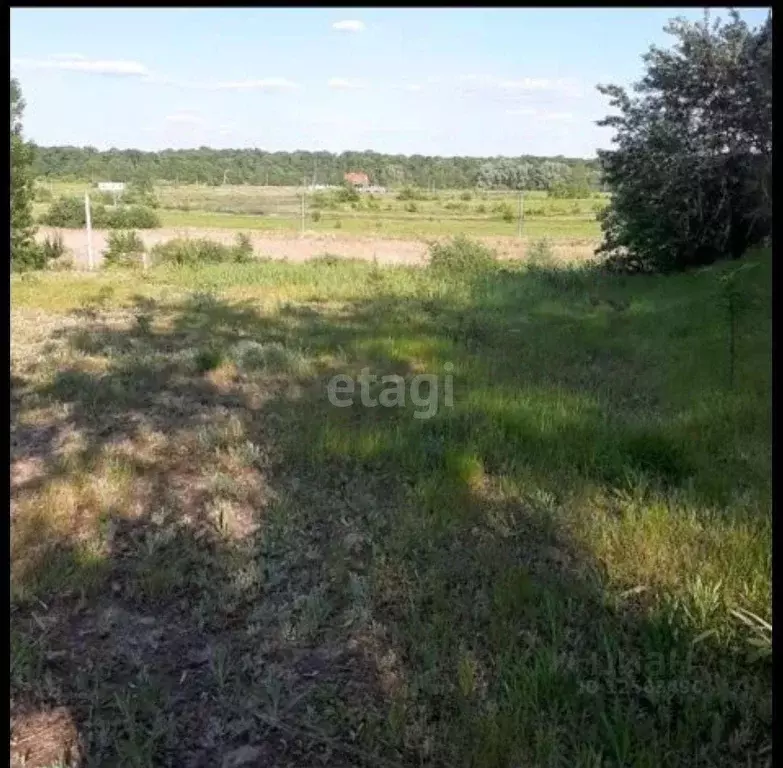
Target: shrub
{"type": "Point", "coordinates": [43, 195]}
{"type": "Point", "coordinates": [68, 212]}
{"type": "Point", "coordinates": [410, 193]}
{"type": "Point", "coordinates": [132, 216]}
{"type": "Point", "coordinates": [207, 359]}
{"type": "Point", "coordinates": [243, 250]}
{"type": "Point", "coordinates": [411, 207]}
{"type": "Point", "coordinates": [541, 253]}
{"type": "Point", "coordinates": [346, 194]}
{"type": "Point", "coordinates": [52, 248]}
{"type": "Point", "coordinates": [50, 253]}
{"type": "Point", "coordinates": [124, 249]}
{"type": "Point", "coordinates": [65, 212]}
{"type": "Point", "coordinates": [461, 255]}
{"type": "Point", "coordinates": [481, 208]}
{"type": "Point", "coordinates": [187, 252]}
{"type": "Point", "coordinates": [466, 196]}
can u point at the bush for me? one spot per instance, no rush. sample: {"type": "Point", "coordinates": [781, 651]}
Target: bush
{"type": "Point", "coordinates": [410, 193]}
{"type": "Point", "coordinates": [43, 195]}
{"type": "Point", "coordinates": [133, 216]}
{"type": "Point", "coordinates": [461, 255]}
{"type": "Point", "coordinates": [187, 252]}
{"type": "Point", "coordinates": [243, 250]}
{"type": "Point", "coordinates": [481, 208]}
{"type": "Point", "coordinates": [346, 194]}
{"type": "Point", "coordinates": [50, 253]}
{"type": "Point", "coordinates": [207, 359]}
{"type": "Point", "coordinates": [124, 249]}
{"type": "Point", "coordinates": [466, 196]}
{"type": "Point", "coordinates": [68, 212]}
{"type": "Point", "coordinates": [541, 253]}
{"type": "Point", "coordinates": [411, 207]}
{"type": "Point", "coordinates": [65, 212]}
{"type": "Point", "coordinates": [52, 248]}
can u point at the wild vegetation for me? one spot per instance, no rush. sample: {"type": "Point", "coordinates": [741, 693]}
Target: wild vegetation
{"type": "Point", "coordinates": [692, 172]}
{"type": "Point", "coordinates": [252, 166]}
{"type": "Point", "coordinates": [71, 213]}
{"type": "Point", "coordinates": [557, 552]}
{"type": "Point", "coordinates": [24, 252]}
{"type": "Point", "coordinates": [570, 565]}
{"type": "Point", "coordinates": [485, 213]}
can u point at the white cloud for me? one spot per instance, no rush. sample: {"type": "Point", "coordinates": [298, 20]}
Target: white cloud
{"type": "Point", "coordinates": [78, 63]}
{"type": "Point", "coordinates": [524, 84]}
{"type": "Point", "coordinates": [263, 84]}
{"type": "Point", "coordinates": [349, 25]}
{"type": "Point", "coordinates": [346, 84]}
{"type": "Point", "coordinates": [541, 114]}
{"type": "Point", "coordinates": [185, 118]}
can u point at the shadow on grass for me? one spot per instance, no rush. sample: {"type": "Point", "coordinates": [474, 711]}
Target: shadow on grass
{"type": "Point", "coordinates": [223, 568]}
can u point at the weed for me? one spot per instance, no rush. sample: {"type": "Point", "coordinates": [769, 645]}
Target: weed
{"type": "Point", "coordinates": [124, 249]}
{"type": "Point", "coordinates": [570, 566]}
{"type": "Point", "coordinates": [461, 256]}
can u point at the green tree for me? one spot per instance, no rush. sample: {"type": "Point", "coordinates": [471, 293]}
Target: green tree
{"type": "Point", "coordinates": [24, 252]}
{"type": "Point", "coordinates": [691, 172]}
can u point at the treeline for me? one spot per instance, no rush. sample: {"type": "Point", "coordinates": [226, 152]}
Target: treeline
{"type": "Point", "coordinates": [252, 166]}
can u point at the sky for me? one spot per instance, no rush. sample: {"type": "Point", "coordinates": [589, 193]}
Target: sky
{"type": "Point", "coordinates": [445, 81]}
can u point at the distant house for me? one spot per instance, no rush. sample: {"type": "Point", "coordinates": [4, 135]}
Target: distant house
{"type": "Point", "coordinates": [357, 179]}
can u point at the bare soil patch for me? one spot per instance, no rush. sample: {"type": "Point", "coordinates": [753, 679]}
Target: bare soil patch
{"type": "Point", "coordinates": [298, 248]}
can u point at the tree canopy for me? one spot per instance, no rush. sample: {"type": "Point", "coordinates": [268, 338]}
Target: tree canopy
{"type": "Point", "coordinates": [252, 166]}
{"type": "Point", "coordinates": [23, 248]}
{"type": "Point", "coordinates": [691, 172]}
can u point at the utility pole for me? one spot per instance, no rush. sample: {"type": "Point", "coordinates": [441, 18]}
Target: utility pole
{"type": "Point", "coordinates": [304, 184]}
{"type": "Point", "coordinates": [521, 213]}
{"type": "Point", "coordinates": [89, 229]}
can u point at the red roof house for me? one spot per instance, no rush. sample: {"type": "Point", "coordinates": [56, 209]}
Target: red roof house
{"type": "Point", "coordinates": [357, 179]}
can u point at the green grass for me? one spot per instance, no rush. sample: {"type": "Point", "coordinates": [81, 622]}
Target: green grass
{"type": "Point", "coordinates": [386, 226]}
{"type": "Point", "coordinates": [551, 572]}
{"type": "Point", "coordinates": [442, 213]}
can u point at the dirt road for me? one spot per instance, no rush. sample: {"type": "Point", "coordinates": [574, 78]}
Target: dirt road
{"type": "Point", "coordinates": [300, 248]}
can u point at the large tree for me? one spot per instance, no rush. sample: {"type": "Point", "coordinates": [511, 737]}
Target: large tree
{"type": "Point", "coordinates": [24, 252]}
{"type": "Point", "coordinates": [691, 172]}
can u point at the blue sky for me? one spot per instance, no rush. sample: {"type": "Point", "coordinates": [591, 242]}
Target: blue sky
{"type": "Point", "coordinates": [446, 81]}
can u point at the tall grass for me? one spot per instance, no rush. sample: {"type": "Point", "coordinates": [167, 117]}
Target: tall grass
{"type": "Point", "coordinates": [570, 566]}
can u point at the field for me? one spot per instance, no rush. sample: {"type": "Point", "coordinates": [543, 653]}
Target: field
{"type": "Point", "coordinates": [276, 212]}
{"type": "Point", "coordinates": [570, 564]}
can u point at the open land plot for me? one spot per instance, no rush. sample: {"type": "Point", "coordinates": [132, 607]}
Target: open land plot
{"type": "Point", "coordinates": [291, 246]}
{"type": "Point", "coordinates": [440, 213]}
{"type": "Point", "coordinates": [211, 564]}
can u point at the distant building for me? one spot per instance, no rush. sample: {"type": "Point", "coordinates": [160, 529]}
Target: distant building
{"type": "Point", "coordinates": [357, 179]}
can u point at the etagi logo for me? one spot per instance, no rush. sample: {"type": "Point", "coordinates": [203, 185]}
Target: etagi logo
{"type": "Point", "coordinates": [341, 391]}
